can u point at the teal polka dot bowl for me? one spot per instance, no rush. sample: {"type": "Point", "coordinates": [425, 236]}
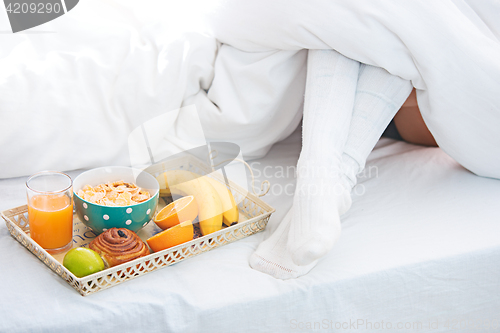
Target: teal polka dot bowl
{"type": "Point", "coordinates": [101, 218]}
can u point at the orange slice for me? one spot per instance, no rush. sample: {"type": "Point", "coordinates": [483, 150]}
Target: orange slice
{"type": "Point", "coordinates": [183, 209]}
{"type": "Point", "coordinates": [174, 236]}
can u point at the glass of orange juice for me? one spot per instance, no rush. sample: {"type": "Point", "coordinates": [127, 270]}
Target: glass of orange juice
{"type": "Point", "coordinates": [50, 210]}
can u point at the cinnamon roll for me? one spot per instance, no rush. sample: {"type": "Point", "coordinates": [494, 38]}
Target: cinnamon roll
{"type": "Point", "coordinates": [119, 245]}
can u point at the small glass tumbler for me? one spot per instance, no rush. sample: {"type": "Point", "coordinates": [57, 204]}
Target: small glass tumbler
{"type": "Point", "coordinates": [50, 210]}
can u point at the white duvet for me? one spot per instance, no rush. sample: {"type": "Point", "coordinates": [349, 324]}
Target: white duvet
{"type": "Point", "coordinates": [73, 90]}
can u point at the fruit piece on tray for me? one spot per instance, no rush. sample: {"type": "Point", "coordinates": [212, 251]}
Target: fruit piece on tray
{"type": "Point", "coordinates": [215, 201]}
{"type": "Point", "coordinates": [176, 235]}
{"type": "Point", "coordinates": [209, 205]}
{"type": "Point", "coordinates": [82, 261]}
{"type": "Point", "coordinates": [230, 210]}
{"type": "Point", "coordinates": [183, 209]}
{"type": "Point", "coordinates": [119, 245]}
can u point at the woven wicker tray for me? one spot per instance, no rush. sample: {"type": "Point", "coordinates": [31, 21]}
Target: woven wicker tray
{"type": "Point", "coordinates": [254, 215]}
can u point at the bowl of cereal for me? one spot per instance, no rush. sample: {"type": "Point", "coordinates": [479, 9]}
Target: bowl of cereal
{"type": "Point", "coordinates": [119, 197]}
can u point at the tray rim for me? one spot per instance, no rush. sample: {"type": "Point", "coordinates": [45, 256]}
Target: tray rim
{"type": "Point", "coordinates": [76, 282]}
{"type": "Point", "coordinates": [24, 208]}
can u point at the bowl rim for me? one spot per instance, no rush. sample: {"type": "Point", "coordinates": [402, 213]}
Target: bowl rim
{"type": "Point", "coordinates": [156, 194]}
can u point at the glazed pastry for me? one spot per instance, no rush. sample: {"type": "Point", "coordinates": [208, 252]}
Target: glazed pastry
{"type": "Point", "coordinates": [117, 246]}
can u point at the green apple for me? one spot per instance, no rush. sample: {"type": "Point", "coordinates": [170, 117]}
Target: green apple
{"type": "Point", "coordinates": [82, 261]}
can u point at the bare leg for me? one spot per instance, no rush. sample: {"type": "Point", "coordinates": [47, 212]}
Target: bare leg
{"type": "Point", "coordinates": [411, 125]}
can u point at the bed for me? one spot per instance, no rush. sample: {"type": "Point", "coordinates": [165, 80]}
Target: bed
{"type": "Point", "coordinates": [419, 251]}
{"type": "Point", "coordinates": [420, 247]}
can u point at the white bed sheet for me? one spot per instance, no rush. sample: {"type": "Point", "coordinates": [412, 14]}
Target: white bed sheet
{"type": "Point", "coordinates": [421, 245]}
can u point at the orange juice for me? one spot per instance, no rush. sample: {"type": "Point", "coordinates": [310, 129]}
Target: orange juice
{"type": "Point", "coordinates": [51, 220]}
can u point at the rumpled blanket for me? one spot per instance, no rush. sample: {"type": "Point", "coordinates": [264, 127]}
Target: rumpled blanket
{"type": "Point", "coordinates": [73, 90]}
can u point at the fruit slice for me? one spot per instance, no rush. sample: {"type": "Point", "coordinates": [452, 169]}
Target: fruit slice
{"type": "Point", "coordinates": [171, 237]}
{"type": "Point", "coordinates": [82, 261]}
{"type": "Point", "coordinates": [209, 204]}
{"type": "Point", "coordinates": [229, 207]}
{"type": "Point", "coordinates": [183, 209]}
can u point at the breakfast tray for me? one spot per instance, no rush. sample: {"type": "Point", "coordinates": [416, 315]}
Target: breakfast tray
{"type": "Point", "coordinates": [254, 215]}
